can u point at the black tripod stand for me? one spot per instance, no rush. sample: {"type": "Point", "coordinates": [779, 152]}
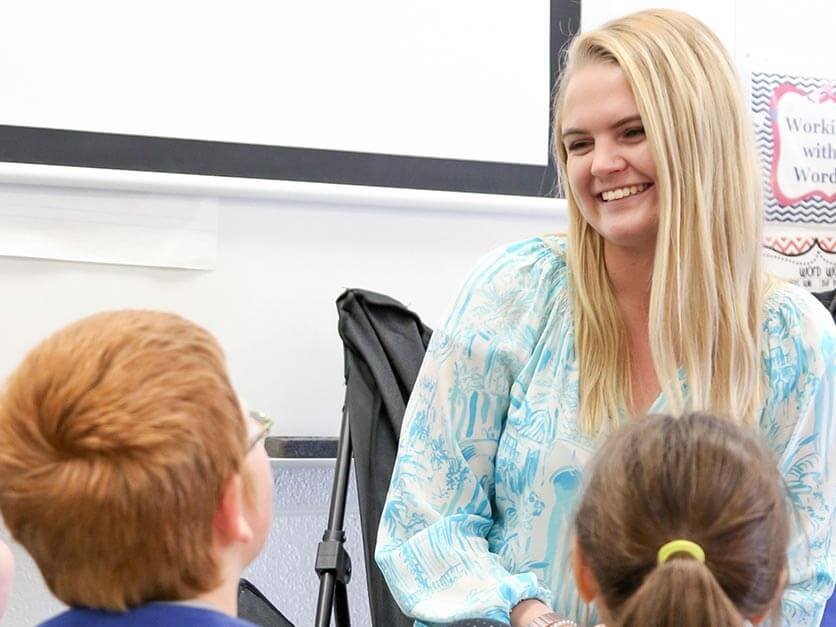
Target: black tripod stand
{"type": "Point", "coordinates": [384, 344]}
{"type": "Point", "coordinates": [333, 565]}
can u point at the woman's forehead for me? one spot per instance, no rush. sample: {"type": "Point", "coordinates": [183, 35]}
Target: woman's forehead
{"type": "Point", "coordinates": [597, 94]}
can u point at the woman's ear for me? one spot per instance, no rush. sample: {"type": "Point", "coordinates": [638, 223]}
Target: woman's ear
{"type": "Point", "coordinates": [587, 586]}
{"type": "Point", "coordinates": [229, 522]}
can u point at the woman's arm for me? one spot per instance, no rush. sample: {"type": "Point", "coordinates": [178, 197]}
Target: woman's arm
{"type": "Point", "coordinates": [799, 423]}
{"type": "Point", "coordinates": [432, 542]}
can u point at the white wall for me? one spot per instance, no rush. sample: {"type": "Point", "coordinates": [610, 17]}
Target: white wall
{"type": "Point", "coordinates": [766, 35]}
{"type": "Point", "coordinates": [284, 255]}
{"type": "Point", "coordinates": [285, 252]}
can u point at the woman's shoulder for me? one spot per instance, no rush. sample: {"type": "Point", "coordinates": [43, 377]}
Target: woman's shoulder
{"type": "Point", "coordinates": [550, 246]}
{"type": "Point", "coordinates": [525, 267]}
{"type": "Point", "coordinates": [519, 281]}
{"type": "Point", "coordinates": [542, 256]}
{"type": "Point", "coordinates": [799, 341]}
{"type": "Point", "coordinates": [793, 314]}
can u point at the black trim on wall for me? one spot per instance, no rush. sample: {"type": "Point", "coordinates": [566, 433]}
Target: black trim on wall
{"type": "Point", "coordinates": [279, 447]}
{"type": "Point", "coordinates": [185, 156]}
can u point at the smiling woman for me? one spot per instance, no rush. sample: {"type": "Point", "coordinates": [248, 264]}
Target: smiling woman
{"type": "Point", "coordinates": [653, 302]}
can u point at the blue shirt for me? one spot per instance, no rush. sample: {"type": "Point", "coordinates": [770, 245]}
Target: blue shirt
{"type": "Point", "coordinates": [491, 459]}
{"type": "Point", "coordinates": [149, 615]}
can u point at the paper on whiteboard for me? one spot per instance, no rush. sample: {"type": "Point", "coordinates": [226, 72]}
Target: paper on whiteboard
{"type": "Point", "coordinates": [104, 226]}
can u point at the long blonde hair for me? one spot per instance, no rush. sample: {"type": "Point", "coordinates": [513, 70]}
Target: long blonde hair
{"type": "Point", "coordinates": [707, 283]}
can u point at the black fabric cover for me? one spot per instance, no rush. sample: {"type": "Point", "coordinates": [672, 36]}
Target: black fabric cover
{"type": "Point", "coordinates": [384, 346]}
{"type": "Point", "coordinates": [256, 608]}
{"type": "Point", "coordinates": [828, 299]}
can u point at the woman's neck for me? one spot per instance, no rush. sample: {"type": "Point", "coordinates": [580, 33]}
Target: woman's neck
{"type": "Point", "coordinates": [630, 272]}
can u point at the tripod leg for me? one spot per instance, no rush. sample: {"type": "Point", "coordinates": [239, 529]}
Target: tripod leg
{"type": "Point", "coordinates": [329, 584]}
{"type": "Point", "coordinates": [325, 602]}
{"type": "Point", "coordinates": [341, 615]}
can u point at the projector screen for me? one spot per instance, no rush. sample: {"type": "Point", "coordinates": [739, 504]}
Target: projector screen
{"type": "Point", "coordinates": [430, 95]}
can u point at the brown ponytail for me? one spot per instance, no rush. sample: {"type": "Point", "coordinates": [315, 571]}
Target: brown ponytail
{"type": "Point", "coordinates": [679, 592]}
{"type": "Point", "coordinates": [698, 478]}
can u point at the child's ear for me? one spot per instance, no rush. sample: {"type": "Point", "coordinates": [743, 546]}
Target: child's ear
{"type": "Point", "coordinates": [587, 586]}
{"type": "Point", "coordinates": [229, 521]}
{"type": "Point", "coordinates": [757, 620]}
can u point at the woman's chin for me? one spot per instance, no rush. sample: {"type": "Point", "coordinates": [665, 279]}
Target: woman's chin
{"type": "Point", "coordinates": [630, 235]}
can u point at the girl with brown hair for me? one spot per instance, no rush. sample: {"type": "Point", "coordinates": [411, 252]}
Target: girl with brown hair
{"type": "Point", "coordinates": [684, 522]}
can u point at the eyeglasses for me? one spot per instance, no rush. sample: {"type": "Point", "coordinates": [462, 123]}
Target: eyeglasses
{"type": "Point", "coordinates": [265, 423]}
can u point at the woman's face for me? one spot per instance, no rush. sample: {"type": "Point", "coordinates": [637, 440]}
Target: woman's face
{"type": "Point", "coordinates": [609, 163]}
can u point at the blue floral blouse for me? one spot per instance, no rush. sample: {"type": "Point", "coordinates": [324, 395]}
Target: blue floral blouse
{"type": "Point", "coordinates": [491, 459]}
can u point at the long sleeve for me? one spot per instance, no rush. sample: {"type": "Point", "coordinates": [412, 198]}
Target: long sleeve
{"type": "Point", "coordinates": [798, 423]}
{"type": "Point", "coordinates": [433, 546]}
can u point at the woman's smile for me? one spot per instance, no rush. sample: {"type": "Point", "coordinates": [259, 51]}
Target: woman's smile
{"type": "Point", "coordinates": [624, 192]}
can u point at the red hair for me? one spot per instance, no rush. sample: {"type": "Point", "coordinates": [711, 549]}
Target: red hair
{"type": "Point", "coordinates": [117, 435]}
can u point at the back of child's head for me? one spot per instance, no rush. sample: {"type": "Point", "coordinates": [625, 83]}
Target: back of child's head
{"type": "Point", "coordinates": [697, 479]}
{"type": "Point", "coordinates": [117, 434]}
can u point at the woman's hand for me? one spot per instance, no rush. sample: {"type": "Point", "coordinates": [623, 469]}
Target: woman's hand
{"type": "Point", "coordinates": [526, 611]}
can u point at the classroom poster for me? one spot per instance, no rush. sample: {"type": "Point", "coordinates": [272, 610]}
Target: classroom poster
{"type": "Point", "coordinates": [795, 129]}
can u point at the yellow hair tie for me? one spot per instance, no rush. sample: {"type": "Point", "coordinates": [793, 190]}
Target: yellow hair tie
{"type": "Point", "coordinates": [680, 546]}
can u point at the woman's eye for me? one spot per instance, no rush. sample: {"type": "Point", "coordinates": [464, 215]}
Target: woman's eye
{"type": "Point", "coordinates": [636, 131]}
{"type": "Point", "coordinates": [578, 145]}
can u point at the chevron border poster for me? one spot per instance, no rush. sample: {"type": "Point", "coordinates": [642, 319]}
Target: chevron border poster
{"type": "Point", "coordinates": [795, 130]}
{"type": "Point", "coordinates": [808, 261]}
{"type": "Point", "coordinates": [795, 126]}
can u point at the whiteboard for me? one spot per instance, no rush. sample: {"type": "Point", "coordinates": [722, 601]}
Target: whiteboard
{"type": "Point", "coordinates": [390, 93]}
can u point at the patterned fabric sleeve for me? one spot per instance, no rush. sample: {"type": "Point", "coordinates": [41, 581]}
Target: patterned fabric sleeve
{"type": "Point", "coordinates": [798, 423]}
{"type": "Point", "coordinates": [432, 546]}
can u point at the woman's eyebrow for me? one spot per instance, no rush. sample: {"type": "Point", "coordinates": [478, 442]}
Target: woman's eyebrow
{"type": "Point", "coordinates": [628, 120]}
{"type": "Point", "coordinates": [621, 122]}
{"type": "Point", "coordinates": [574, 131]}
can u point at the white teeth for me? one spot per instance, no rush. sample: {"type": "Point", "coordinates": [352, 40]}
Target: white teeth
{"type": "Point", "coordinates": [622, 192]}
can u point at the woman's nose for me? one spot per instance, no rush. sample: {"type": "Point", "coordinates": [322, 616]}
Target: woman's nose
{"type": "Point", "coordinates": [606, 159]}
